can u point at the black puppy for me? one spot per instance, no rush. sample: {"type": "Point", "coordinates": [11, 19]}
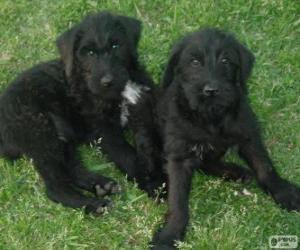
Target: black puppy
{"type": "Point", "coordinates": [50, 109]}
{"type": "Point", "coordinates": [205, 111]}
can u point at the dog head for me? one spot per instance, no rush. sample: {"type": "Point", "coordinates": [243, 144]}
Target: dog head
{"type": "Point", "coordinates": [100, 52]}
{"type": "Point", "coordinates": [212, 68]}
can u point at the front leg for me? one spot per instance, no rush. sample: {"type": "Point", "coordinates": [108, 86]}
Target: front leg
{"type": "Point", "coordinates": [141, 121]}
{"type": "Point", "coordinates": [286, 194]}
{"type": "Point", "coordinates": [118, 149]}
{"type": "Point", "coordinates": [180, 174]}
{"type": "Point", "coordinates": [123, 155]}
{"type": "Point", "coordinates": [148, 148]}
{"type": "Point", "coordinates": [137, 111]}
{"type": "Point", "coordinates": [150, 156]}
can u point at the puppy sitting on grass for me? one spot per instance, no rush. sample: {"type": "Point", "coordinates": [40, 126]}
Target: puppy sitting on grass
{"type": "Point", "coordinates": [53, 107]}
{"type": "Point", "coordinates": [205, 111]}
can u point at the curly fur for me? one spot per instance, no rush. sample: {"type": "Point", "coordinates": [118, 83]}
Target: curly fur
{"type": "Point", "coordinates": [55, 106]}
{"type": "Point", "coordinates": [203, 112]}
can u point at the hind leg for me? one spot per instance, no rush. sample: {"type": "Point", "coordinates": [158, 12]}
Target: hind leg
{"type": "Point", "coordinates": [51, 164]}
{"type": "Point", "coordinates": [62, 191]}
{"type": "Point", "coordinates": [228, 171]}
{"type": "Point", "coordinates": [38, 139]}
{"type": "Point", "coordinates": [10, 152]}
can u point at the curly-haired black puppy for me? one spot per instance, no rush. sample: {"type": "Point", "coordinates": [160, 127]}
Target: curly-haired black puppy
{"type": "Point", "coordinates": [50, 109]}
{"type": "Point", "coordinates": [205, 111]}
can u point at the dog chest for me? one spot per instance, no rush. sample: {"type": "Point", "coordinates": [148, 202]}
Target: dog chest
{"type": "Point", "coordinates": [201, 149]}
{"type": "Point", "coordinates": [210, 148]}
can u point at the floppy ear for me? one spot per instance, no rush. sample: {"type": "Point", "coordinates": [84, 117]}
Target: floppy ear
{"type": "Point", "coordinates": [247, 60]}
{"type": "Point", "coordinates": [133, 28]}
{"type": "Point", "coordinates": [171, 65]}
{"type": "Point", "coordinates": [66, 46]}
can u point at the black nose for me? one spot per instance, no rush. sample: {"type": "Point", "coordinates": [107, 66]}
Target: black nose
{"type": "Point", "coordinates": [210, 90]}
{"type": "Point", "coordinates": [106, 80]}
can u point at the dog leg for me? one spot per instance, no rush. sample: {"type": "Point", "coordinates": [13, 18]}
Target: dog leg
{"type": "Point", "coordinates": [140, 120]}
{"type": "Point", "coordinates": [124, 156]}
{"type": "Point", "coordinates": [148, 156]}
{"type": "Point", "coordinates": [92, 182]}
{"type": "Point", "coordinates": [180, 176]}
{"type": "Point", "coordinates": [81, 177]}
{"type": "Point", "coordinates": [85, 179]}
{"type": "Point", "coordinates": [148, 143]}
{"type": "Point", "coordinates": [283, 192]}
{"type": "Point", "coordinates": [59, 184]}
{"type": "Point", "coordinates": [228, 171]}
{"type": "Point", "coordinates": [41, 142]}
{"type": "Point", "coordinates": [62, 192]}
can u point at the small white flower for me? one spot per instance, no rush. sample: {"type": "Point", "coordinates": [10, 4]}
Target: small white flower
{"type": "Point", "coordinates": [246, 192]}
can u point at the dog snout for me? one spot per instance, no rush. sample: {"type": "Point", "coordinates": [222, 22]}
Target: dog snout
{"type": "Point", "coordinates": [106, 80]}
{"type": "Point", "coordinates": [210, 90]}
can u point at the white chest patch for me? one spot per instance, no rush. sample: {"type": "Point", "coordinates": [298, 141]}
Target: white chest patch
{"type": "Point", "coordinates": [131, 95]}
{"type": "Point", "coordinates": [132, 92]}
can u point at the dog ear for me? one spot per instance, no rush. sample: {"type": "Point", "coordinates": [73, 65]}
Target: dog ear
{"type": "Point", "coordinates": [247, 60]}
{"type": "Point", "coordinates": [171, 65]}
{"type": "Point", "coordinates": [66, 46]}
{"type": "Point", "coordinates": [133, 28]}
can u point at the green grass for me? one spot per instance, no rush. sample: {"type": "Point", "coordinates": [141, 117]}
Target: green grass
{"type": "Point", "coordinates": [219, 219]}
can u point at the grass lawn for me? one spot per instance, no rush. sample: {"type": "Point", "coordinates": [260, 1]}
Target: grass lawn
{"type": "Point", "coordinates": [221, 218]}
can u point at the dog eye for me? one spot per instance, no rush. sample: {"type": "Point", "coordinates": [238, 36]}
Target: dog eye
{"type": "Point", "coordinates": [195, 63]}
{"type": "Point", "coordinates": [90, 52]}
{"type": "Point", "coordinates": [224, 61]}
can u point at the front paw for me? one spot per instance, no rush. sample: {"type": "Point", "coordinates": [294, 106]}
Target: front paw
{"type": "Point", "coordinates": [287, 195]}
{"type": "Point", "coordinates": [98, 207]}
{"type": "Point", "coordinates": [163, 240]}
{"type": "Point", "coordinates": [110, 187]}
{"type": "Point", "coordinates": [162, 247]}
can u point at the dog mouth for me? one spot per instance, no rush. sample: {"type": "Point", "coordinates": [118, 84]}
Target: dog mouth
{"type": "Point", "coordinates": [212, 106]}
{"type": "Point", "coordinates": [216, 109]}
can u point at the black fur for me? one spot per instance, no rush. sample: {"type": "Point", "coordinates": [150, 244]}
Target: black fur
{"type": "Point", "coordinates": [203, 112]}
{"type": "Point", "coordinates": [53, 107]}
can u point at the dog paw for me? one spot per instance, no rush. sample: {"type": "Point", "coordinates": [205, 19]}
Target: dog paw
{"type": "Point", "coordinates": [163, 240]}
{"type": "Point", "coordinates": [288, 196]}
{"type": "Point", "coordinates": [162, 247]}
{"type": "Point", "coordinates": [98, 207]}
{"type": "Point", "coordinates": [109, 188]}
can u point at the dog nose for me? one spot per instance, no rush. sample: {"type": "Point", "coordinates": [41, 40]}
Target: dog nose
{"type": "Point", "coordinates": [210, 90]}
{"type": "Point", "coordinates": [106, 80]}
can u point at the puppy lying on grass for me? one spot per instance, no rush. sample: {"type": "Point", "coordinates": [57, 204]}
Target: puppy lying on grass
{"type": "Point", "coordinates": [204, 111]}
{"type": "Point", "coordinates": [55, 106]}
